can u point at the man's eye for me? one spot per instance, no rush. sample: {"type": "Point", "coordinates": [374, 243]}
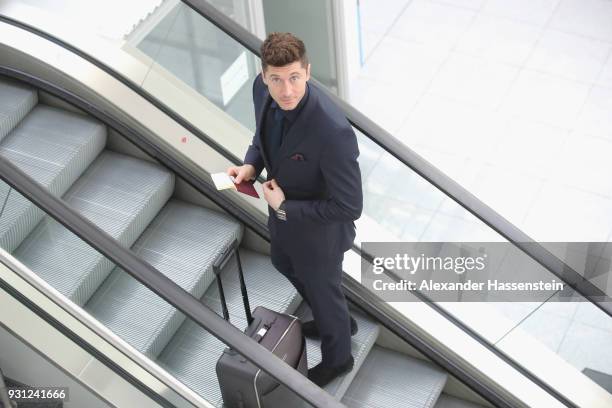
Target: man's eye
{"type": "Point", "coordinates": [294, 79]}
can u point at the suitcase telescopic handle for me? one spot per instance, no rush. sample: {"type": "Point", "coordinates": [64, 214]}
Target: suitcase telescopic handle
{"type": "Point", "coordinates": [218, 265]}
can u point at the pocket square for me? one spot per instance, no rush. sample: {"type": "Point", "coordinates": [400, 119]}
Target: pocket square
{"type": "Point", "coordinates": [298, 157]}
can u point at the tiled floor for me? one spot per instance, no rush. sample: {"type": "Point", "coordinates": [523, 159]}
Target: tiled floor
{"type": "Point", "coordinates": [518, 88]}
{"type": "Point", "coordinates": [579, 332]}
{"type": "Point", "coordinates": [512, 99]}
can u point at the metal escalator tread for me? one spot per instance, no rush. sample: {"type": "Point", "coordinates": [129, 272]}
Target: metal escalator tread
{"type": "Point", "coordinates": [118, 193]}
{"type": "Point", "coordinates": [446, 401]}
{"type": "Point", "coordinates": [390, 379]}
{"type": "Point", "coordinates": [182, 242]}
{"type": "Point", "coordinates": [361, 344]}
{"type": "Point", "coordinates": [192, 353]}
{"type": "Point", "coordinates": [16, 100]}
{"type": "Point", "coordinates": [54, 147]}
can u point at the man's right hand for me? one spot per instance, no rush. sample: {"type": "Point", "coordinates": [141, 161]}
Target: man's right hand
{"type": "Point", "coordinates": [241, 173]}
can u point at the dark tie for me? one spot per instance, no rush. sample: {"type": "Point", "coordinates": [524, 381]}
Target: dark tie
{"type": "Point", "coordinates": [276, 134]}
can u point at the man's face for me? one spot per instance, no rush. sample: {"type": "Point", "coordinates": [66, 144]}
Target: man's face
{"type": "Point", "coordinates": [287, 84]}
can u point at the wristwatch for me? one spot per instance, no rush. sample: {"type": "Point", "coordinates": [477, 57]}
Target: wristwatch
{"type": "Point", "coordinates": [281, 214]}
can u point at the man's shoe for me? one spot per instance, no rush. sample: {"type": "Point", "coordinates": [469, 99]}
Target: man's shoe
{"type": "Point", "coordinates": [322, 375]}
{"type": "Point", "coordinates": [309, 328]}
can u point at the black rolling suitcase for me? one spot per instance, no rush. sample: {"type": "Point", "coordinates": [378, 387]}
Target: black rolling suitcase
{"type": "Point", "coordinates": [243, 384]}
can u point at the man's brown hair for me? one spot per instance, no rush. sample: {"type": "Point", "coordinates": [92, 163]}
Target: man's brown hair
{"type": "Point", "coordinates": [281, 49]}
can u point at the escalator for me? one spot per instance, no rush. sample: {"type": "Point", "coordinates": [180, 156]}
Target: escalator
{"type": "Point", "coordinates": [132, 200]}
{"type": "Point", "coordinates": [143, 205]}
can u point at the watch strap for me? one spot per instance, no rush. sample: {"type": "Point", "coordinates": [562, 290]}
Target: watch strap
{"type": "Point", "coordinates": [281, 214]}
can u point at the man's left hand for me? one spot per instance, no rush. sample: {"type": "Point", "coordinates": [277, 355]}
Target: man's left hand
{"type": "Point", "coordinates": [273, 194]}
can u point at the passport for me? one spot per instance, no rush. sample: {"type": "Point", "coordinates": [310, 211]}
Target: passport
{"type": "Point", "coordinates": [246, 187]}
{"type": "Point", "coordinates": [224, 182]}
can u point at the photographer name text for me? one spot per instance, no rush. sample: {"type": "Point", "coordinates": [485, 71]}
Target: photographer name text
{"type": "Point", "coordinates": [469, 285]}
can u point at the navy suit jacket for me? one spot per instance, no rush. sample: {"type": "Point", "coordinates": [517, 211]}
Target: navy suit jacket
{"type": "Point", "coordinates": [317, 169]}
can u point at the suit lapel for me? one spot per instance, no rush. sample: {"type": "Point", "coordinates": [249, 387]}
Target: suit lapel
{"type": "Point", "coordinates": [260, 129]}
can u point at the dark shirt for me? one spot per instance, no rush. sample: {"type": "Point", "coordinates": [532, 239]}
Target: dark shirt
{"type": "Point", "coordinates": [289, 119]}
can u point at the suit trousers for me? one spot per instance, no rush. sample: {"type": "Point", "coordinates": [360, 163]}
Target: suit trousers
{"type": "Point", "coordinates": [320, 285]}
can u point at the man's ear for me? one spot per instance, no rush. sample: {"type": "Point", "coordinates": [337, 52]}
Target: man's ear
{"type": "Point", "coordinates": [308, 72]}
{"type": "Point", "coordinates": [263, 76]}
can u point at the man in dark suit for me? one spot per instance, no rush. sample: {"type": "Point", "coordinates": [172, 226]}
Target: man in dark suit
{"type": "Point", "coordinates": [309, 151]}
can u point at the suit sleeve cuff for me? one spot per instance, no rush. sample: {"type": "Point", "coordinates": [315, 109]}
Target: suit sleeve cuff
{"type": "Point", "coordinates": [258, 164]}
{"type": "Point", "coordinates": [293, 209]}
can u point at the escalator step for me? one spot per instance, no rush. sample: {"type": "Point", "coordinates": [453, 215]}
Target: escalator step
{"type": "Point", "coordinates": [390, 379]}
{"type": "Point", "coordinates": [361, 344]}
{"type": "Point", "coordinates": [54, 147]}
{"type": "Point", "coordinates": [446, 401]}
{"type": "Point", "coordinates": [16, 100]}
{"type": "Point", "coordinates": [182, 243]}
{"type": "Point", "coordinates": [118, 193]}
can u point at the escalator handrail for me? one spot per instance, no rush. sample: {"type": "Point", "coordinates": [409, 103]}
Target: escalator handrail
{"type": "Point", "coordinates": [164, 287]}
{"type": "Point", "coordinates": [426, 170]}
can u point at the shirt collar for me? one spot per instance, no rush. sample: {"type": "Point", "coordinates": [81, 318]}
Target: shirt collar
{"type": "Point", "coordinates": [291, 115]}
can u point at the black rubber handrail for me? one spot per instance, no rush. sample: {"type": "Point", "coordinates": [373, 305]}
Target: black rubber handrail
{"type": "Point", "coordinates": [426, 170]}
{"type": "Point", "coordinates": [164, 287]}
